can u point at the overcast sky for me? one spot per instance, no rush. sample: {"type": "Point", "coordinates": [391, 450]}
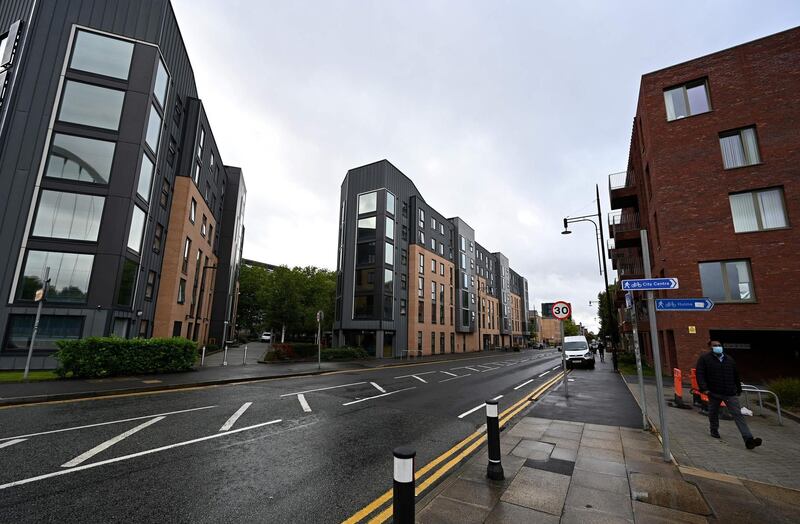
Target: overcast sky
{"type": "Point", "coordinates": [530, 103]}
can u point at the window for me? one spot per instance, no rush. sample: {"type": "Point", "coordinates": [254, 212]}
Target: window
{"type": "Point", "coordinates": [187, 248]}
{"type": "Point", "coordinates": [196, 176]}
{"type": "Point", "coordinates": [102, 55]}
{"type": "Point", "coordinates": [739, 148]}
{"type": "Point", "coordinates": [390, 201]}
{"type": "Point", "coordinates": [388, 281]}
{"type": "Point", "coordinates": [145, 178]}
{"type": "Point", "coordinates": [388, 254]}
{"type": "Point", "coordinates": [441, 249]}
{"type": "Point", "coordinates": [433, 293]}
{"type": "Point", "coordinates": [193, 211]}
{"type": "Point", "coordinates": [403, 281]}
{"type": "Point", "coordinates": [210, 234]}
{"type": "Point", "coordinates": [3, 43]}
{"type": "Point", "coordinates": [137, 229]}
{"type": "Point", "coordinates": [151, 285]}
{"type": "Point", "coordinates": [120, 327]}
{"type": "Point", "coordinates": [365, 253]}
{"type": "Point", "coordinates": [727, 281]}
{"type": "Point", "coordinates": [364, 306]}
{"type": "Point", "coordinates": [433, 223]}
{"type": "Point", "coordinates": [143, 325]}
{"type": "Point", "coordinates": [127, 282]}
{"type": "Point", "coordinates": [422, 219]}
{"type": "Point", "coordinates": [366, 228]}
{"type": "Point", "coordinates": [158, 238]}
{"type": "Point", "coordinates": [404, 232]}
{"type": "Point", "coordinates": [441, 228]}
{"type": "Point", "coordinates": [433, 245]}
{"type": "Point", "coordinates": [51, 329]}
{"type": "Point", "coordinates": [403, 257]}
{"type": "Point", "coordinates": [422, 238]}
{"type": "Point", "coordinates": [686, 100]}
{"type": "Point", "coordinates": [758, 210]}
{"type": "Point", "coordinates": [153, 129]}
{"type": "Point", "coordinates": [421, 264]}
{"type": "Point", "coordinates": [367, 203]}
{"type": "Point", "coordinates": [433, 343]}
{"type": "Point", "coordinates": [419, 342]}
{"type": "Point", "coordinates": [207, 192]}
{"type": "Point", "coordinates": [389, 228]}
{"type": "Point", "coordinates": [81, 159]}
{"type": "Point", "coordinates": [182, 291]}
{"type": "Point", "coordinates": [388, 307]}
{"type": "Point", "coordinates": [433, 266]}
{"type": "Point", "coordinates": [441, 269]}
{"type": "Point", "coordinates": [421, 312]}
{"type": "Point", "coordinates": [91, 105]}
{"type": "Point", "coordinates": [69, 276]}
{"type": "Point", "coordinates": [203, 226]}
{"type": "Point", "coordinates": [403, 307]}
{"type": "Point", "coordinates": [68, 215]}
{"type": "Point", "coordinates": [441, 342]}
{"type": "Point", "coordinates": [463, 243]}
{"type": "Point", "coordinates": [405, 209]}
{"type": "Point", "coordinates": [177, 327]}
{"type": "Point", "coordinates": [162, 82]}
{"type": "Point", "coordinates": [201, 143]}
{"type": "Point", "coordinates": [164, 193]}
{"type": "Point", "coordinates": [421, 287]}
{"type": "Point", "coordinates": [365, 280]}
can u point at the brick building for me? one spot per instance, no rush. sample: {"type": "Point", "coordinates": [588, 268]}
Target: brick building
{"type": "Point", "coordinates": [712, 175]}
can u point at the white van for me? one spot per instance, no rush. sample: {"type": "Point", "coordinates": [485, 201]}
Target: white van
{"type": "Point", "coordinates": [577, 353]}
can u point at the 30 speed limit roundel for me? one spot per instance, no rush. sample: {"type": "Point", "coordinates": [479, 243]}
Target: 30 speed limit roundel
{"type": "Point", "coordinates": [562, 310]}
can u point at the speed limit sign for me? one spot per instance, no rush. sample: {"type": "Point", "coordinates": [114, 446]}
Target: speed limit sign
{"type": "Point", "coordinates": [562, 310]}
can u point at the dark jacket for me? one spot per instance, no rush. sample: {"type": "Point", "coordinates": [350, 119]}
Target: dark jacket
{"type": "Point", "coordinates": [721, 378]}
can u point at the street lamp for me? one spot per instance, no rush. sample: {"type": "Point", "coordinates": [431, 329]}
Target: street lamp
{"type": "Point", "coordinates": [604, 270]}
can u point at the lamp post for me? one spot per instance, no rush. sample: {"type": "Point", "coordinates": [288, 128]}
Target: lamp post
{"type": "Point", "coordinates": [599, 237]}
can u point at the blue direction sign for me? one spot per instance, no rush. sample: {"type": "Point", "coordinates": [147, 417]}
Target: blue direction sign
{"type": "Point", "coordinates": [649, 284]}
{"type": "Point", "coordinates": [684, 304]}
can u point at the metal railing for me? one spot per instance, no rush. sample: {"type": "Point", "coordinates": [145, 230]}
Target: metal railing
{"type": "Point", "coordinates": [620, 180]}
{"type": "Point", "coordinates": [629, 266]}
{"type": "Point", "coordinates": [749, 388]}
{"type": "Point", "coordinates": [624, 220]}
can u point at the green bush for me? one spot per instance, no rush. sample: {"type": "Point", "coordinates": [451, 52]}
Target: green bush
{"type": "Point", "coordinates": [788, 391]}
{"type": "Point", "coordinates": [112, 356]}
{"type": "Point", "coordinates": [344, 354]}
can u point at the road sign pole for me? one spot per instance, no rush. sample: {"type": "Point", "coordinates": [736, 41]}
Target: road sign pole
{"type": "Point", "coordinates": [642, 398]}
{"type": "Point", "coordinates": [563, 361]}
{"type": "Point", "coordinates": [320, 315]}
{"type": "Point", "coordinates": [651, 313]}
{"type": "Point", "coordinates": [36, 324]}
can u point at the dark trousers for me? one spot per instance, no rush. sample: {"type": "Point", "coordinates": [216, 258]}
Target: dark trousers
{"type": "Point", "coordinates": [735, 410]}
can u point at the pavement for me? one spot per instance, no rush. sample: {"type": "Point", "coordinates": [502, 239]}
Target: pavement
{"type": "Point", "coordinates": [298, 449]}
{"type": "Point", "coordinates": [561, 465]}
{"type": "Point", "coordinates": [777, 461]}
{"type": "Point", "coordinates": [213, 372]}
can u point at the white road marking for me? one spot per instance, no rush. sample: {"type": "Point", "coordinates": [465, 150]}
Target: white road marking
{"type": "Point", "coordinates": [448, 373]}
{"type": "Point", "coordinates": [378, 387]}
{"type": "Point", "coordinates": [11, 442]}
{"type": "Point", "coordinates": [131, 456]}
{"type": "Point", "coordinates": [471, 369]}
{"type": "Point", "coordinates": [419, 378]}
{"type": "Point", "coordinates": [377, 396]}
{"type": "Point", "coordinates": [523, 384]}
{"type": "Point", "coordinates": [416, 374]}
{"type": "Point", "coordinates": [476, 408]}
{"type": "Point", "coordinates": [83, 457]}
{"type": "Point", "coordinates": [556, 367]}
{"type": "Point", "coordinates": [459, 376]}
{"type": "Point", "coordinates": [304, 403]}
{"type": "Point", "coordinates": [321, 389]}
{"type": "Point", "coordinates": [239, 412]}
{"type": "Point", "coordinates": [545, 373]}
{"type": "Point", "coordinates": [498, 397]}
{"type": "Point", "coordinates": [105, 423]}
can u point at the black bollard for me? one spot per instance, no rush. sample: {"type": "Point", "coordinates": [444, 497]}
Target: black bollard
{"type": "Point", "coordinates": [403, 490]}
{"type": "Point", "coordinates": [494, 470]}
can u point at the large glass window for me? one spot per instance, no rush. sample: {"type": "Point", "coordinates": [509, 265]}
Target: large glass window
{"type": "Point", "coordinates": [127, 282]}
{"type": "Point", "coordinates": [389, 228]}
{"type": "Point", "coordinates": [51, 329]}
{"type": "Point", "coordinates": [68, 215]}
{"type": "Point", "coordinates": [727, 281]}
{"type": "Point", "coordinates": [145, 178]}
{"type": "Point", "coordinates": [388, 254]}
{"type": "Point", "coordinates": [365, 280]}
{"type": "Point", "coordinates": [686, 100]}
{"type": "Point", "coordinates": [390, 201]}
{"type": "Point", "coordinates": [136, 230]}
{"type": "Point", "coordinates": [153, 129]}
{"type": "Point", "coordinates": [162, 82]}
{"type": "Point", "coordinates": [79, 158]}
{"type": "Point", "coordinates": [367, 203]}
{"type": "Point", "coordinates": [102, 55]}
{"type": "Point", "coordinates": [91, 105]}
{"type": "Point", "coordinates": [366, 228]}
{"type": "Point", "coordinates": [758, 210]}
{"type": "Point", "coordinates": [365, 253]}
{"type": "Point", "coordinates": [388, 281]}
{"type": "Point", "coordinates": [364, 306]}
{"type": "Point", "coordinates": [69, 276]}
{"type": "Point", "coordinates": [739, 148]}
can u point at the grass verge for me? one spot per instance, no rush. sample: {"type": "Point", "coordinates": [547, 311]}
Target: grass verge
{"type": "Point", "coordinates": [33, 376]}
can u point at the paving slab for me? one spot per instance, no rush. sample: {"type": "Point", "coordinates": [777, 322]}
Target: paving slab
{"type": "Point", "coordinates": [730, 502]}
{"type": "Point", "coordinates": [610, 483]}
{"type": "Point", "coordinates": [613, 445]}
{"type": "Point", "coordinates": [447, 511]}
{"type": "Point", "coordinates": [774, 493]}
{"type": "Point", "coordinates": [615, 504]}
{"type": "Point", "coordinates": [561, 453]}
{"type": "Point", "coordinates": [650, 514]}
{"type": "Point", "coordinates": [590, 516]}
{"type": "Point", "coordinates": [668, 492]}
{"type": "Point", "coordinates": [601, 466]}
{"type": "Point", "coordinates": [539, 490]}
{"type": "Point", "coordinates": [505, 513]}
{"type": "Point", "coordinates": [562, 467]}
{"type": "Point", "coordinates": [601, 454]}
{"type": "Point", "coordinates": [481, 494]}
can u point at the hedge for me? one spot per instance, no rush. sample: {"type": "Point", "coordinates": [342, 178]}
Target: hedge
{"type": "Point", "coordinates": [112, 356]}
{"type": "Point", "coordinates": [344, 354]}
{"type": "Point", "coordinates": [788, 391]}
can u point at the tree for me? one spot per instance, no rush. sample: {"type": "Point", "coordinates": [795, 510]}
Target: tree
{"type": "Point", "coordinates": [602, 312]}
{"type": "Point", "coordinates": [571, 329]}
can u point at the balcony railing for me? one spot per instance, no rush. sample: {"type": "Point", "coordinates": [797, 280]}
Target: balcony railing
{"type": "Point", "coordinates": [629, 266]}
{"type": "Point", "coordinates": [620, 180]}
{"type": "Point", "coordinates": [624, 220]}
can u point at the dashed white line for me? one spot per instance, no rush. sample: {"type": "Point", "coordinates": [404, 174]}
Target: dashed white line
{"type": "Point", "coordinates": [303, 403]}
{"type": "Point", "coordinates": [419, 378]}
{"type": "Point", "coordinates": [556, 367]}
{"type": "Point", "coordinates": [453, 378]}
{"type": "Point", "coordinates": [8, 443]}
{"type": "Point", "coordinates": [377, 396]}
{"type": "Point", "coordinates": [448, 373]}
{"type": "Point", "coordinates": [105, 423]}
{"type": "Point", "coordinates": [545, 373]}
{"type": "Point", "coordinates": [476, 408]}
{"type": "Point", "coordinates": [416, 374]}
{"type": "Point", "coordinates": [524, 384]}
{"type": "Point", "coordinates": [131, 456]}
{"type": "Point", "coordinates": [321, 389]}
{"type": "Point", "coordinates": [83, 457]}
{"type": "Point", "coordinates": [473, 369]}
{"type": "Point", "coordinates": [378, 387]}
{"type": "Point", "coordinates": [239, 412]}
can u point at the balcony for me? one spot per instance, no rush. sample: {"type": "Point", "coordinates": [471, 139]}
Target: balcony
{"type": "Point", "coordinates": [622, 190]}
{"type": "Point", "coordinates": [623, 227]}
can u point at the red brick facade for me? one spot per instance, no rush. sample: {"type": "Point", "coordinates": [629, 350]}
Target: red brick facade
{"type": "Point", "coordinates": [678, 184]}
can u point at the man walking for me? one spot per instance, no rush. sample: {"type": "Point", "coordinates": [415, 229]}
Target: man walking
{"type": "Point", "coordinates": [718, 378]}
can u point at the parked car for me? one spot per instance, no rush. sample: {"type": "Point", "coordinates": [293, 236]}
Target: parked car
{"type": "Point", "coordinates": [576, 352]}
{"type": "Point", "coordinates": [266, 336]}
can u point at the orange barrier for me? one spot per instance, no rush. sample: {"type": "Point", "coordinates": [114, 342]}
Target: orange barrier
{"type": "Point", "coordinates": [677, 387]}
{"type": "Point", "coordinates": [700, 398]}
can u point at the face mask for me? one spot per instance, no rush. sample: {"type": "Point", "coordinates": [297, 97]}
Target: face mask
{"type": "Point", "coordinates": [717, 350]}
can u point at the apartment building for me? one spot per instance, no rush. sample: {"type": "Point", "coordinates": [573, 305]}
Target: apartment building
{"type": "Point", "coordinates": [112, 181]}
{"type": "Point", "coordinates": [712, 176]}
{"type": "Point", "coordinates": [411, 280]}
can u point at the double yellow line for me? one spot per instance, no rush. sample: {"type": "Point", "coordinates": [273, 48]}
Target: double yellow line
{"type": "Point", "coordinates": [458, 453]}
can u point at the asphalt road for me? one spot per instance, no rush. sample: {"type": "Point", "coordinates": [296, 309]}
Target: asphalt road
{"type": "Point", "coordinates": [313, 449]}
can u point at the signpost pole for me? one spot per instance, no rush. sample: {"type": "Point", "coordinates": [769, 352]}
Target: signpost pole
{"type": "Point", "coordinates": [563, 360]}
{"type": "Point", "coordinates": [651, 313]}
{"type": "Point", "coordinates": [319, 339]}
{"type": "Point", "coordinates": [635, 322]}
{"type": "Point", "coordinates": [40, 298]}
